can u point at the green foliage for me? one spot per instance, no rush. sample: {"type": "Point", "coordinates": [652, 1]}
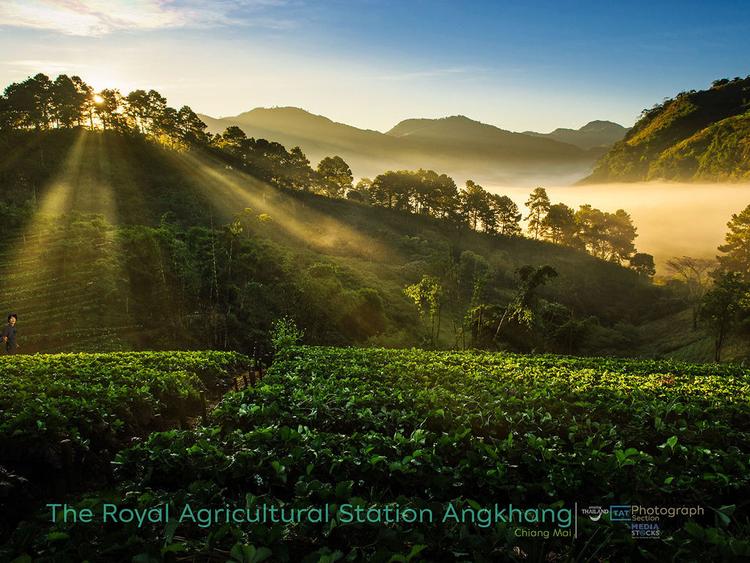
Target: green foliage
{"type": "Point", "coordinates": [428, 296]}
{"type": "Point", "coordinates": [333, 425]}
{"type": "Point", "coordinates": [523, 310]}
{"type": "Point", "coordinates": [560, 224]}
{"type": "Point", "coordinates": [736, 248]}
{"type": "Point", "coordinates": [335, 175]}
{"type": "Point", "coordinates": [609, 236]}
{"type": "Point", "coordinates": [700, 136]}
{"type": "Point", "coordinates": [538, 205]}
{"type": "Point", "coordinates": [81, 397]}
{"type": "Point", "coordinates": [63, 417]}
{"type": "Point", "coordinates": [643, 263]}
{"type": "Point", "coordinates": [285, 334]}
{"type": "Point", "coordinates": [718, 153]}
{"type": "Point", "coordinates": [722, 306]}
{"type": "Point", "coordinates": [271, 161]}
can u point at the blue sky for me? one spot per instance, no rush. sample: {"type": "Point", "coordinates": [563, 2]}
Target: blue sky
{"type": "Point", "coordinates": [519, 65]}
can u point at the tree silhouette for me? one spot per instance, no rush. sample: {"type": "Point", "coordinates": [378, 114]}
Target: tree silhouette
{"type": "Point", "coordinates": [108, 109]}
{"type": "Point", "coordinates": [522, 308]}
{"type": "Point", "coordinates": [643, 263]}
{"type": "Point", "coordinates": [507, 215]}
{"type": "Point", "coordinates": [736, 248]}
{"type": "Point", "coordinates": [559, 225]}
{"type": "Point", "coordinates": [620, 234]}
{"type": "Point", "coordinates": [475, 205]}
{"type": "Point", "coordinates": [335, 175]}
{"type": "Point", "coordinates": [722, 305]}
{"type": "Point", "coordinates": [538, 205]}
{"type": "Point", "coordinates": [695, 273]}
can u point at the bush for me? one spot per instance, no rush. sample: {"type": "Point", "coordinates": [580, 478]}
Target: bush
{"type": "Point", "coordinates": [285, 334]}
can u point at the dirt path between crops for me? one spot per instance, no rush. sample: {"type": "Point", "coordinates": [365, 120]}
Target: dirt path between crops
{"type": "Point", "coordinates": [240, 382]}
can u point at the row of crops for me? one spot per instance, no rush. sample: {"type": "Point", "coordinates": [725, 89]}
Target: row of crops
{"type": "Point", "coordinates": [419, 430]}
{"type": "Point", "coordinates": [57, 282]}
{"type": "Point", "coordinates": [64, 417]}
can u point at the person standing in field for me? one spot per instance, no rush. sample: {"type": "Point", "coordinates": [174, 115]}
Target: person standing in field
{"type": "Point", "coordinates": [9, 335]}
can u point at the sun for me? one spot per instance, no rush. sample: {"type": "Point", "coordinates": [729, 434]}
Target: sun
{"type": "Point", "coordinates": [98, 100]}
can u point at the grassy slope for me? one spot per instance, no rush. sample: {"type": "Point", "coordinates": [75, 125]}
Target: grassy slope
{"type": "Point", "coordinates": [53, 272]}
{"type": "Point", "coordinates": [673, 336]}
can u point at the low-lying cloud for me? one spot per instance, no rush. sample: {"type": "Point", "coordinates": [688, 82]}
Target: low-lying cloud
{"type": "Point", "coordinates": [673, 219]}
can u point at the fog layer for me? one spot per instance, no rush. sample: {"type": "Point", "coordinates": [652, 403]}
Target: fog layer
{"type": "Point", "coordinates": [673, 219]}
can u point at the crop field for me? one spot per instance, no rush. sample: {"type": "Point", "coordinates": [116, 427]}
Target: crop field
{"type": "Point", "coordinates": [413, 430]}
{"type": "Point", "coordinates": [64, 416]}
{"type": "Point", "coordinates": [59, 280]}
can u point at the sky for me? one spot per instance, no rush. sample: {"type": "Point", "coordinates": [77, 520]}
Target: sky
{"type": "Point", "coordinates": [520, 65]}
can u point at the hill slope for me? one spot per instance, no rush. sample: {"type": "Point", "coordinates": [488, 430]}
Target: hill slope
{"type": "Point", "coordinates": [702, 136]}
{"type": "Point", "coordinates": [159, 266]}
{"type": "Point", "coordinates": [457, 145]}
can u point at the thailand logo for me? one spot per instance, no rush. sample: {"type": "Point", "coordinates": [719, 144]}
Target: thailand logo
{"type": "Point", "coordinates": [594, 512]}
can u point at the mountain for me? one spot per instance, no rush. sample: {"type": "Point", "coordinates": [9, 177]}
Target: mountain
{"type": "Point", "coordinates": [592, 135]}
{"type": "Point", "coordinates": [461, 135]}
{"type": "Point", "coordinates": [456, 145]}
{"type": "Point", "coordinates": [318, 136]}
{"type": "Point", "coordinates": [695, 136]}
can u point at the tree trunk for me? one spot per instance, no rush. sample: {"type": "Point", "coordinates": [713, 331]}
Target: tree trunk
{"type": "Point", "coordinates": [719, 343]}
{"type": "Point", "coordinates": [437, 332]}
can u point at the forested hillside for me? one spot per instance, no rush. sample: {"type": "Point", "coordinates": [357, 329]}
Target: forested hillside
{"type": "Point", "coordinates": [118, 242]}
{"type": "Point", "coordinates": [696, 136]}
{"type": "Point", "coordinates": [127, 226]}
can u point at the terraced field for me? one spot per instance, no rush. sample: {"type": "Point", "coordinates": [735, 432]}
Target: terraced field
{"type": "Point", "coordinates": [61, 278]}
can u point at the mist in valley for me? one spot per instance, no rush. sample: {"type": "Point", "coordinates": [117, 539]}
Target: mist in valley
{"type": "Point", "coordinates": [673, 219]}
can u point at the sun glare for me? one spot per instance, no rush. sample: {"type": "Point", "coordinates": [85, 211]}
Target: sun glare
{"type": "Point", "coordinates": [98, 99]}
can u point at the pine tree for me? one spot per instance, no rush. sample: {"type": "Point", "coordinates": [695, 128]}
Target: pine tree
{"type": "Point", "coordinates": [538, 204]}
{"type": "Point", "coordinates": [737, 247]}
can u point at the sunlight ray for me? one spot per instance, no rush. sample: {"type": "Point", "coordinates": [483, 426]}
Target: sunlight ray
{"type": "Point", "coordinates": [232, 191]}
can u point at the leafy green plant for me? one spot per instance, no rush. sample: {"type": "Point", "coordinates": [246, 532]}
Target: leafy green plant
{"type": "Point", "coordinates": [285, 334]}
{"type": "Point", "coordinates": [424, 429]}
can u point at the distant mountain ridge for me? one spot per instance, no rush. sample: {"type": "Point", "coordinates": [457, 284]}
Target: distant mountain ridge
{"type": "Point", "coordinates": [696, 136]}
{"type": "Point", "coordinates": [456, 145]}
{"type": "Point", "coordinates": [488, 139]}
{"type": "Point", "coordinates": [592, 135]}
